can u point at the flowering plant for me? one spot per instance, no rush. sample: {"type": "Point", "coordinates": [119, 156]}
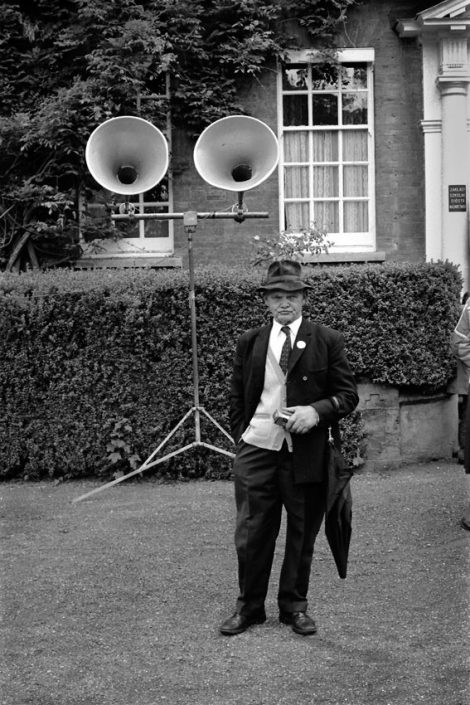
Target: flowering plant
{"type": "Point", "coordinates": [290, 245]}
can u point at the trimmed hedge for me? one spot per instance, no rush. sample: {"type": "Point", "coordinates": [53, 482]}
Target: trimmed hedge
{"type": "Point", "coordinates": [97, 369]}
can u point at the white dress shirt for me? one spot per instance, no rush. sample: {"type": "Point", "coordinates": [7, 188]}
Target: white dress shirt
{"type": "Point", "coordinates": [262, 431]}
{"type": "Point", "coordinates": [277, 336]}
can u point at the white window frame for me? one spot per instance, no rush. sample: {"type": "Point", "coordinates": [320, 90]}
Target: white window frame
{"type": "Point", "coordinates": [342, 242]}
{"type": "Point", "coordinates": [141, 244]}
{"type": "Point", "coordinates": [145, 206]}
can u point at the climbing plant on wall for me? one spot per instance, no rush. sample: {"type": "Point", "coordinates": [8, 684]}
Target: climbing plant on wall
{"type": "Point", "coordinates": [68, 65]}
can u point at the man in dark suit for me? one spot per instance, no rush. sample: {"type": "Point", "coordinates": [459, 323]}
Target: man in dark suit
{"type": "Point", "coordinates": [300, 368]}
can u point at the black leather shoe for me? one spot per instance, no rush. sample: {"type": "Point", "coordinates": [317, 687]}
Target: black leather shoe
{"type": "Point", "coordinates": [300, 621]}
{"type": "Point", "coordinates": [238, 623]}
{"type": "Point", "coordinates": [465, 521]}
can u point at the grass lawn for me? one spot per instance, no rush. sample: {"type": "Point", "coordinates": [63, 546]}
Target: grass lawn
{"type": "Point", "coordinates": [117, 599]}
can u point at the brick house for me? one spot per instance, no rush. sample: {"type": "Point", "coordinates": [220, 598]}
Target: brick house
{"type": "Point", "coordinates": [378, 157]}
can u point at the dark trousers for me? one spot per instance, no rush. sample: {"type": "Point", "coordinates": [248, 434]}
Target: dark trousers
{"type": "Point", "coordinates": [264, 483]}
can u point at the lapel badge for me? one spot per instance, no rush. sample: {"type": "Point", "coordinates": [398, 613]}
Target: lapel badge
{"type": "Point", "coordinates": [301, 344]}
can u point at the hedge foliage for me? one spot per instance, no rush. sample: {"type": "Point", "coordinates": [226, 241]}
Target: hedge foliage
{"type": "Point", "coordinates": [96, 367]}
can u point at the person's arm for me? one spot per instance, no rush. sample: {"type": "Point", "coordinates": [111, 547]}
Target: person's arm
{"type": "Point", "coordinates": [342, 387]}
{"type": "Point", "coordinates": [461, 339]}
{"type": "Point", "coordinates": [342, 398]}
{"type": "Point", "coordinates": [237, 397]}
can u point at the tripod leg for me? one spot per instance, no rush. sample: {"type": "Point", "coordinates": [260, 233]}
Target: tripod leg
{"type": "Point", "coordinates": [147, 463]}
{"type": "Point", "coordinates": [216, 424]}
{"type": "Point", "coordinates": [143, 467]}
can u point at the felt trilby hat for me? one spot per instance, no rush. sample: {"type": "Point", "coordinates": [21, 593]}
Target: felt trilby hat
{"type": "Point", "coordinates": [285, 275]}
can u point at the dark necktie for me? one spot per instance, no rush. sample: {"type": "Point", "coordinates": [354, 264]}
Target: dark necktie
{"type": "Point", "coordinates": [286, 348]}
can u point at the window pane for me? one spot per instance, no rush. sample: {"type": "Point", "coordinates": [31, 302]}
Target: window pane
{"type": "Point", "coordinates": [297, 216]}
{"type": "Point", "coordinates": [326, 216]}
{"type": "Point", "coordinates": [355, 146]}
{"type": "Point", "coordinates": [325, 109]}
{"type": "Point", "coordinates": [356, 217]}
{"type": "Point", "coordinates": [159, 192]}
{"type": "Point", "coordinates": [295, 77]}
{"type": "Point", "coordinates": [325, 146]}
{"type": "Point", "coordinates": [354, 109]}
{"type": "Point", "coordinates": [128, 228]}
{"type": "Point", "coordinates": [296, 182]}
{"type": "Point", "coordinates": [324, 77]}
{"type": "Point", "coordinates": [295, 110]}
{"type": "Point", "coordinates": [156, 228]}
{"type": "Point", "coordinates": [355, 181]}
{"type": "Point", "coordinates": [159, 85]}
{"type": "Point", "coordinates": [325, 181]}
{"type": "Point", "coordinates": [353, 76]}
{"type": "Point", "coordinates": [296, 147]}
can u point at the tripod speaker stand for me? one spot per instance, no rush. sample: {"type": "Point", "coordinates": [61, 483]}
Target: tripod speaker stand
{"type": "Point", "coordinates": [129, 155]}
{"type": "Point", "coordinates": [190, 224]}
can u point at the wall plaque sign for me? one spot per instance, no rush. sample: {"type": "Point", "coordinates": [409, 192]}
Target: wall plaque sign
{"type": "Point", "coordinates": [458, 198]}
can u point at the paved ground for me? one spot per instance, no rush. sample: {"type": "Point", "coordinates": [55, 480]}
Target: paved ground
{"type": "Point", "coordinates": [116, 600]}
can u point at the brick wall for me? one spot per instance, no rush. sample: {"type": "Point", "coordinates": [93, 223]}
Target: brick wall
{"type": "Point", "coordinates": [399, 157]}
{"type": "Point", "coordinates": [226, 241]}
{"type": "Point", "coordinates": [399, 154]}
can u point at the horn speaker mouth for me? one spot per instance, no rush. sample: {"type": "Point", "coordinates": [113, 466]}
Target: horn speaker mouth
{"type": "Point", "coordinates": [127, 174]}
{"type": "Point", "coordinates": [127, 155]}
{"type": "Point", "coordinates": [236, 153]}
{"type": "Point", "coordinates": [242, 172]}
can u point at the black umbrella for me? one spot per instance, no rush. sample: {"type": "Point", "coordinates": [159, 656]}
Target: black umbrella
{"type": "Point", "coordinates": [338, 514]}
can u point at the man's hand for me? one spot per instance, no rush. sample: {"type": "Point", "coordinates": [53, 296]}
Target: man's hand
{"type": "Point", "coordinates": [302, 420]}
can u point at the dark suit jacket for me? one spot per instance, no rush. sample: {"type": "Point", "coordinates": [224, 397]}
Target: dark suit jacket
{"type": "Point", "coordinates": [317, 373]}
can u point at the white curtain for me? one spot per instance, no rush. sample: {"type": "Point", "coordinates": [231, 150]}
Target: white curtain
{"type": "Point", "coordinates": [297, 216]}
{"type": "Point", "coordinates": [296, 179]}
{"type": "Point", "coordinates": [326, 216]}
{"type": "Point", "coordinates": [302, 148]}
{"type": "Point", "coordinates": [355, 181]}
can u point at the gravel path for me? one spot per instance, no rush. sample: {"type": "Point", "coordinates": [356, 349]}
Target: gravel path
{"type": "Point", "coordinates": [116, 600]}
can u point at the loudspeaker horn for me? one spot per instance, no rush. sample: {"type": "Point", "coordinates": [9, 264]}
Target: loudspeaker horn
{"type": "Point", "coordinates": [236, 153]}
{"type": "Point", "coordinates": [127, 155]}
